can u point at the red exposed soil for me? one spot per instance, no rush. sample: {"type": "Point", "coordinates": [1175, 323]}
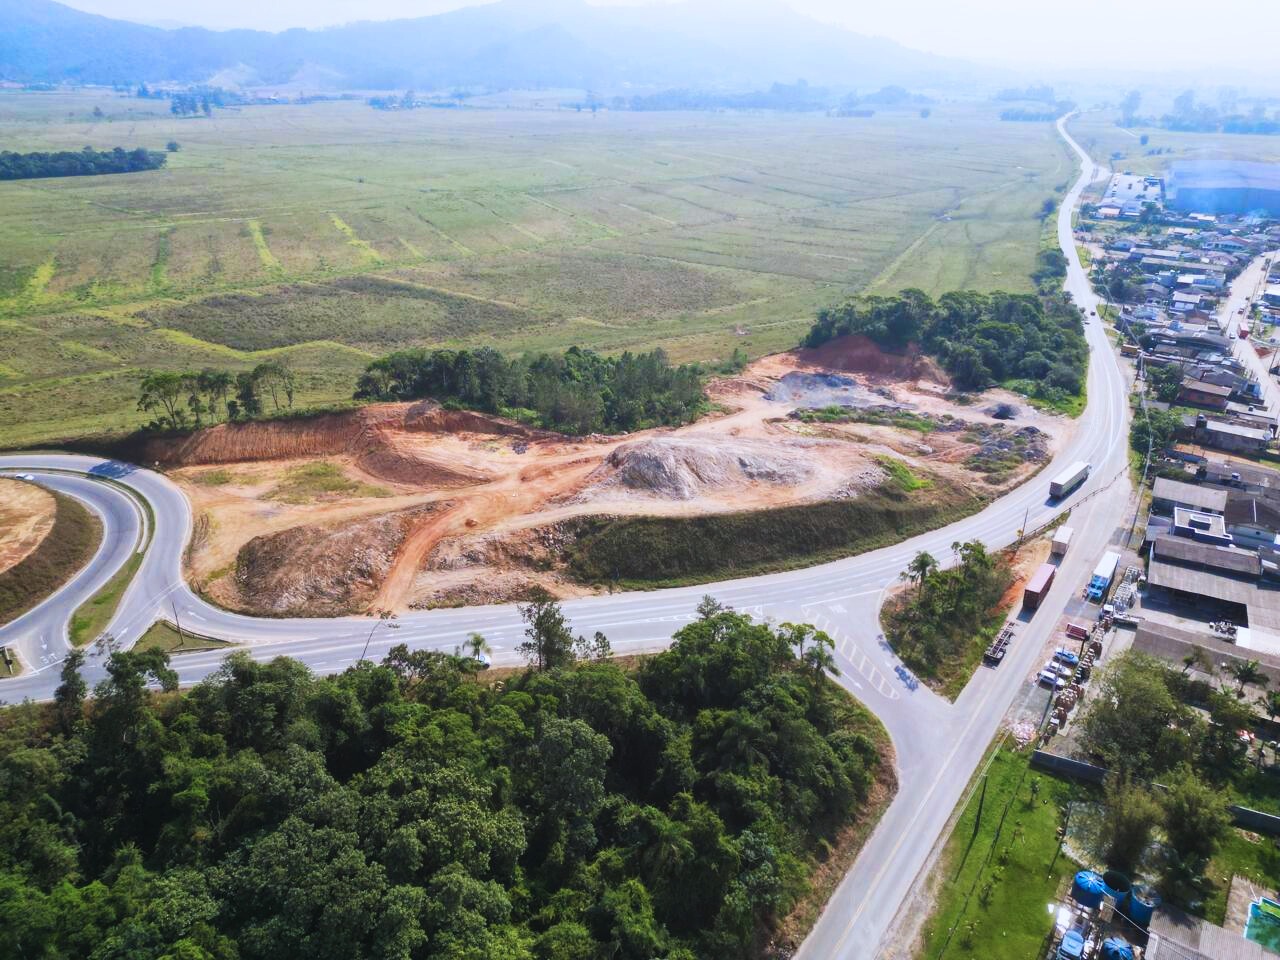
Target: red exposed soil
{"type": "Point", "coordinates": [26, 517]}
{"type": "Point", "coordinates": [370, 434]}
{"type": "Point", "coordinates": [859, 354]}
{"type": "Point", "coordinates": [345, 562]}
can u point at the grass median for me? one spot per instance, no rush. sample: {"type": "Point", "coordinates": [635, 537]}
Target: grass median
{"type": "Point", "coordinates": [163, 635]}
{"type": "Point", "coordinates": [91, 619]}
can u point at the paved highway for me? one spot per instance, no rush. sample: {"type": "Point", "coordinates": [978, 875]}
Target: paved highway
{"type": "Point", "coordinates": [938, 744]}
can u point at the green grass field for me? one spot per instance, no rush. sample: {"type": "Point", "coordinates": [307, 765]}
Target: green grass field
{"type": "Point", "coordinates": [330, 233]}
{"type": "Point", "coordinates": [994, 882]}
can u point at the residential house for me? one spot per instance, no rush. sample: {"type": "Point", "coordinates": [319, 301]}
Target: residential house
{"type": "Point", "coordinates": [1184, 301]}
{"type": "Point", "coordinates": [1168, 495]}
{"type": "Point", "coordinates": [1253, 519]}
{"type": "Point", "coordinates": [1248, 477]}
{"type": "Point", "coordinates": [1231, 437]}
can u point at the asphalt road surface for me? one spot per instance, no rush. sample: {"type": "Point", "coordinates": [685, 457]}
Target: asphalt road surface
{"type": "Point", "coordinates": [938, 744]}
{"type": "Point", "coordinates": [1235, 310]}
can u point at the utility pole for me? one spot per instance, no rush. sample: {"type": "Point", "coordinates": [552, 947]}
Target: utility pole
{"type": "Point", "coordinates": [182, 640]}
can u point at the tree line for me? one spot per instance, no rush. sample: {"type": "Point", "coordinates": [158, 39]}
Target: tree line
{"type": "Point", "coordinates": [980, 338]}
{"type": "Point", "coordinates": [195, 398]}
{"type": "Point", "coordinates": [405, 810]}
{"type": "Point", "coordinates": [578, 391]}
{"type": "Point", "coordinates": [77, 163]}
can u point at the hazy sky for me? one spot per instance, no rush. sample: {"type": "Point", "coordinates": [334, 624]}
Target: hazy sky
{"type": "Point", "coordinates": [1235, 34]}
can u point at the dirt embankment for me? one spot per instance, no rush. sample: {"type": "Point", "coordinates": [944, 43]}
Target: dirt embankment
{"type": "Point", "coordinates": [858, 354]}
{"type": "Point", "coordinates": [373, 435]}
{"type": "Point", "coordinates": [346, 564]}
{"type": "Point", "coordinates": [26, 517]}
{"type": "Point", "coordinates": [68, 545]}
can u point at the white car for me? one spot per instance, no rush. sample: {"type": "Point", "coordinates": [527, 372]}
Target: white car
{"type": "Point", "coordinates": [29, 477]}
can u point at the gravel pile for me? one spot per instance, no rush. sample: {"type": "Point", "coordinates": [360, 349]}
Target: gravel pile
{"type": "Point", "coordinates": [683, 469]}
{"type": "Point", "coordinates": [818, 390]}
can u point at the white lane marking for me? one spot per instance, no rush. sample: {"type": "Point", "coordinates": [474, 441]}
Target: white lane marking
{"type": "Point", "coordinates": [855, 658]}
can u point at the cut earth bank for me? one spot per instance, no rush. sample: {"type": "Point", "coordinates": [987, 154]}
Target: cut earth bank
{"type": "Point", "coordinates": [810, 454]}
{"type": "Point", "coordinates": [26, 517]}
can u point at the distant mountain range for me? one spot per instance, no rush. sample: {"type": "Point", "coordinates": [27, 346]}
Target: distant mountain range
{"type": "Point", "coordinates": [507, 44]}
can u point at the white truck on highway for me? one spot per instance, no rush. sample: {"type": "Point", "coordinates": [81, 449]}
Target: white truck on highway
{"type": "Point", "coordinates": [1068, 479]}
{"type": "Point", "coordinates": [1061, 541]}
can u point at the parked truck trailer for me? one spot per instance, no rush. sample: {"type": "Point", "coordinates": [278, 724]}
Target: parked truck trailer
{"type": "Point", "coordinates": [1068, 479]}
{"type": "Point", "coordinates": [1061, 541]}
{"type": "Point", "coordinates": [1038, 586]}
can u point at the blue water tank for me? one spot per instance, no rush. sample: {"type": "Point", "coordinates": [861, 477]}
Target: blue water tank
{"type": "Point", "coordinates": [1116, 948]}
{"type": "Point", "coordinates": [1141, 904]}
{"type": "Point", "coordinates": [1116, 885]}
{"type": "Point", "coordinates": [1087, 889]}
{"type": "Point", "coordinates": [1072, 946]}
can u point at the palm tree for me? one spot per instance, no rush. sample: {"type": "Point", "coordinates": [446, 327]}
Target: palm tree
{"type": "Point", "coordinates": [1197, 658]}
{"type": "Point", "coordinates": [1271, 704]}
{"type": "Point", "coordinates": [477, 645]}
{"type": "Point", "coordinates": [818, 657]}
{"type": "Point", "coordinates": [920, 569]}
{"type": "Point", "coordinates": [1248, 672]}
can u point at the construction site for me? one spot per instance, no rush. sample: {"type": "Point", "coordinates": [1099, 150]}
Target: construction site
{"type": "Point", "coordinates": [411, 505]}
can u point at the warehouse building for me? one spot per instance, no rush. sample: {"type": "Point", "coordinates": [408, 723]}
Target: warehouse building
{"type": "Point", "coordinates": [1225, 186]}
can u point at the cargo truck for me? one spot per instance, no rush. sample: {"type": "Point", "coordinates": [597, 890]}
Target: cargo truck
{"type": "Point", "coordinates": [1103, 574]}
{"type": "Point", "coordinates": [1068, 480]}
{"type": "Point", "coordinates": [1038, 586]}
{"type": "Point", "coordinates": [1061, 541]}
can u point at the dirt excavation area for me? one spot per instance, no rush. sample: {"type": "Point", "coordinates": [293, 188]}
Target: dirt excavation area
{"type": "Point", "coordinates": [397, 506]}
{"type": "Point", "coordinates": [26, 517]}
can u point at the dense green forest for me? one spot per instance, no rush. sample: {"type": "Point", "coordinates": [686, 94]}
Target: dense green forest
{"type": "Point", "coordinates": [577, 392]}
{"type": "Point", "coordinates": [82, 163]}
{"type": "Point", "coordinates": [1033, 343]}
{"type": "Point", "coordinates": [572, 811]}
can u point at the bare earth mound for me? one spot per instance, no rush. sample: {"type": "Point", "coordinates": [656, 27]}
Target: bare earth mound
{"type": "Point", "coordinates": [324, 570]}
{"type": "Point", "coordinates": [369, 434]}
{"type": "Point", "coordinates": [678, 469]}
{"type": "Point", "coordinates": [26, 517]}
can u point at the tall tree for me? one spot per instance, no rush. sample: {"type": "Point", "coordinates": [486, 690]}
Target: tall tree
{"type": "Point", "coordinates": [548, 643]}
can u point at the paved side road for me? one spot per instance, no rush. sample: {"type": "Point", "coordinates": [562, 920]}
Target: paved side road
{"type": "Point", "coordinates": [1245, 289]}
{"type": "Point", "coordinates": [938, 744]}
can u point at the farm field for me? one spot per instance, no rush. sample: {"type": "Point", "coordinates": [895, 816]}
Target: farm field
{"type": "Point", "coordinates": [330, 233]}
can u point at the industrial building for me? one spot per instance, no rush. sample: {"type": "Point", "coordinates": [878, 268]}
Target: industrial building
{"type": "Point", "coordinates": [1224, 186]}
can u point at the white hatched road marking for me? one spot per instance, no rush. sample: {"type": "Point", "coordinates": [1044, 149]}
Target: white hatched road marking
{"type": "Point", "coordinates": [854, 657]}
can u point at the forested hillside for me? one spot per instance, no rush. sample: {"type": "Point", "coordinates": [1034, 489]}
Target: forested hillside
{"type": "Point", "coordinates": [1033, 343]}
{"type": "Point", "coordinates": [408, 811]}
